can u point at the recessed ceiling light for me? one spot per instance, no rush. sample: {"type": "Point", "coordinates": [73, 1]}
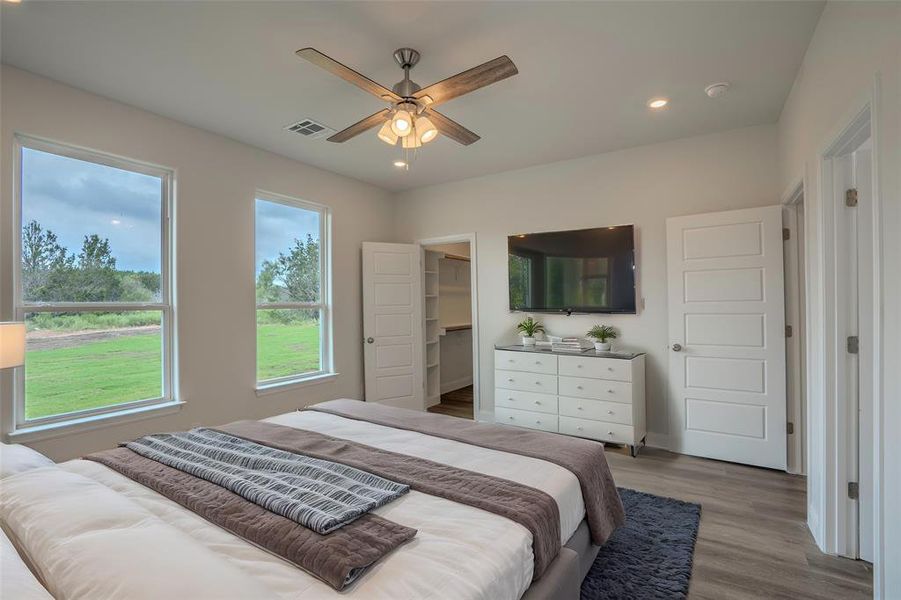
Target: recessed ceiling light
{"type": "Point", "coordinates": [400, 164]}
{"type": "Point", "coordinates": [658, 102]}
{"type": "Point", "coordinates": [715, 90]}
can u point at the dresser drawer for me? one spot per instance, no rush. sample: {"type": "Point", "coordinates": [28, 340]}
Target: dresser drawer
{"type": "Point", "coordinates": [596, 410]}
{"type": "Point", "coordinates": [525, 418]}
{"type": "Point", "coordinates": [597, 430]}
{"type": "Point", "coordinates": [544, 403]}
{"type": "Point", "coordinates": [596, 368]}
{"type": "Point", "coordinates": [532, 362]}
{"type": "Point", "coordinates": [598, 389]}
{"type": "Point", "coordinates": [526, 382]}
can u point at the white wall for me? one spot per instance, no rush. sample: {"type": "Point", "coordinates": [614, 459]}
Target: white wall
{"type": "Point", "coordinates": [215, 180]}
{"type": "Point", "coordinates": [642, 186]}
{"type": "Point", "coordinates": [855, 45]}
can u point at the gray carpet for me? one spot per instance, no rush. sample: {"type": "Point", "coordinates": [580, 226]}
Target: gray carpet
{"type": "Point", "coordinates": [650, 556]}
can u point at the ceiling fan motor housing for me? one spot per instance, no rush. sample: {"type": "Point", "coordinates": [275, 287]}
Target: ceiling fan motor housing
{"type": "Point", "coordinates": [406, 58]}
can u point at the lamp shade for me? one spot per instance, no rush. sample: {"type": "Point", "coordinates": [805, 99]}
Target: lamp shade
{"type": "Point", "coordinates": [12, 345]}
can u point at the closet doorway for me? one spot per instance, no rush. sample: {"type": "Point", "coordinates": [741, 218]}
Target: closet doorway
{"type": "Point", "coordinates": [451, 335]}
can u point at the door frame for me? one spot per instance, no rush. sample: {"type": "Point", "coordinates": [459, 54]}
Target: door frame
{"type": "Point", "coordinates": [796, 315]}
{"type": "Point", "coordinates": [474, 299]}
{"type": "Point", "coordinates": [838, 445]}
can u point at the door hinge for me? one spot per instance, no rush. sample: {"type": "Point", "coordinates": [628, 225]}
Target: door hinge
{"type": "Point", "coordinates": [788, 331]}
{"type": "Point", "coordinates": [786, 233]}
{"type": "Point", "coordinates": [789, 428]}
{"type": "Point", "coordinates": [853, 490]}
{"type": "Point", "coordinates": [853, 344]}
{"type": "Point", "coordinates": [851, 197]}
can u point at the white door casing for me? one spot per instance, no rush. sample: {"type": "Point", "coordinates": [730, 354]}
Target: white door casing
{"type": "Point", "coordinates": [393, 324]}
{"type": "Point", "coordinates": [727, 327]}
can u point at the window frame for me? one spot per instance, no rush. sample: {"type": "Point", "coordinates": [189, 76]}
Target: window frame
{"type": "Point", "coordinates": [21, 307]}
{"type": "Point", "coordinates": [326, 357]}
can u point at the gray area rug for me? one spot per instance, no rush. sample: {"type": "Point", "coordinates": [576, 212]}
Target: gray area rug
{"type": "Point", "coordinates": [649, 557]}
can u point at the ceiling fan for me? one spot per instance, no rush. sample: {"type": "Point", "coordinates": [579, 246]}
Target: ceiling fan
{"type": "Point", "coordinates": [412, 119]}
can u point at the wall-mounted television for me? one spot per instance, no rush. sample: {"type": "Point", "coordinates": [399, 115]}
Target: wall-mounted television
{"type": "Point", "coordinates": [579, 271]}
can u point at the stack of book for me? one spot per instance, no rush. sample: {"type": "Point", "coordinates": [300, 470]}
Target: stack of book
{"type": "Point", "coordinates": [572, 344]}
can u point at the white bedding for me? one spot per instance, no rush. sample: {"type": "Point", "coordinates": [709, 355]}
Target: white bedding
{"type": "Point", "coordinates": [91, 532]}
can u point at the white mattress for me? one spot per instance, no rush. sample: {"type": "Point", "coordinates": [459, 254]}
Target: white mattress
{"type": "Point", "coordinates": [91, 532]}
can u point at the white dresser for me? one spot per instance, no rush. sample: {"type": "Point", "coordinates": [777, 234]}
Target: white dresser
{"type": "Point", "coordinates": [597, 395]}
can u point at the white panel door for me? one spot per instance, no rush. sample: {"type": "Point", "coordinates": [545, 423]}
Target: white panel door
{"type": "Point", "coordinates": [726, 329]}
{"type": "Point", "coordinates": [393, 324]}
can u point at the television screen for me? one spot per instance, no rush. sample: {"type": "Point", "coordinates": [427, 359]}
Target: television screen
{"type": "Point", "coordinates": [580, 271]}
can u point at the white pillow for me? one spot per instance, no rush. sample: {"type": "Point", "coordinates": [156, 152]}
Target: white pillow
{"type": "Point", "coordinates": [16, 579]}
{"type": "Point", "coordinates": [16, 458]}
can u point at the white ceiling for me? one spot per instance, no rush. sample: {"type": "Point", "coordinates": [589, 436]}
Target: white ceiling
{"type": "Point", "coordinates": [585, 71]}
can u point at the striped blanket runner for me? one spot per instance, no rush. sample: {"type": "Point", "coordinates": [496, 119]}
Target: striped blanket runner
{"type": "Point", "coordinates": [319, 494]}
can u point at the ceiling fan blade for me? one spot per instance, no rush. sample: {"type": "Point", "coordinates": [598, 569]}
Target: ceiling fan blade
{"type": "Point", "coordinates": [359, 127]}
{"type": "Point", "coordinates": [347, 74]}
{"type": "Point", "coordinates": [468, 81]}
{"type": "Point", "coordinates": [451, 128]}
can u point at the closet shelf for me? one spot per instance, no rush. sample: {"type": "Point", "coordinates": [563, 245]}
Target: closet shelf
{"type": "Point", "coordinates": [461, 327]}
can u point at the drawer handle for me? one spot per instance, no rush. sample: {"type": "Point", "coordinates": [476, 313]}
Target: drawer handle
{"type": "Point", "coordinates": [510, 379]}
{"type": "Point", "coordinates": [537, 362]}
{"type": "Point", "coordinates": [538, 402]}
{"type": "Point", "coordinates": [578, 366]}
{"type": "Point", "coordinates": [609, 412]}
{"type": "Point", "coordinates": [537, 383]}
{"type": "Point", "coordinates": [609, 368]}
{"type": "Point", "coordinates": [579, 428]}
{"type": "Point", "coordinates": [578, 387]}
{"type": "Point", "coordinates": [609, 433]}
{"type": "Point", "coordinates": [511, 399]}
{"type": "Point", "coordinates": [538, 422]}
{"type": "Point", "coordinates": [610, 392]}
{"type": "Point", "coordinates": [510, 417]}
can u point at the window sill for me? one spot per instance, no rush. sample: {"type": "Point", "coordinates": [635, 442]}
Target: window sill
{"type": "Point", "coordinates": [265, 389]}
{"type": "Point", "coordinates": [61, 428]}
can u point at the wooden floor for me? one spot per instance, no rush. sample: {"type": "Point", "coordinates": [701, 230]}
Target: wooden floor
{"type": "Point", "coordinates": [456, 404]}
{"type": "Point", "coordinates": [753, 541]}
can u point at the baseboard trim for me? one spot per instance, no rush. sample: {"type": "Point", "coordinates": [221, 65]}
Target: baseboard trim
{"type": "Point", "coordinates": [657, 440]}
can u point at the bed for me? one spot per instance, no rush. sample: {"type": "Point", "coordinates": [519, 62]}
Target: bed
{"type": "Point", "coordinates": [88, 531]}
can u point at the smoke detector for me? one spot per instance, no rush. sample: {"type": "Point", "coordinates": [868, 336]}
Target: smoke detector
{"type": "Point", "coordinates": [310, 129]}
{"type": "Point", "coordinates": [715, 90]}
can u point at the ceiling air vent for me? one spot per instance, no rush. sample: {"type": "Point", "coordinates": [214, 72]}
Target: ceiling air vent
{"type": "Point", "coordinates": [310, 129]}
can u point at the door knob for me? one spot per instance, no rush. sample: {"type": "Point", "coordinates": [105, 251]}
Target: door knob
{"type": "Point", "coordinates": [369, 340]}
{"type": "Point", "coordinates": [677, 347]}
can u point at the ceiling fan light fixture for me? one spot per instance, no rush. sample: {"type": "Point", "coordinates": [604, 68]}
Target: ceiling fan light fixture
{"type": "Point", "coordinates": [425, 129]}
{"type": "Point", "coordinates": [402, 123]}
{"type": "Point", "coordinates": [387, 135]}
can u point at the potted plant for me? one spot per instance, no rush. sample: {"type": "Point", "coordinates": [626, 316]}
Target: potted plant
{"type": "Point", "coordinates": [602, 333]}
{"type": "Point", "coordinates": [529, 328]}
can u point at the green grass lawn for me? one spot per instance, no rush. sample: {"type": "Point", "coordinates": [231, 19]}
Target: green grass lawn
{"type": "Point", "coordinates": [125, 369]}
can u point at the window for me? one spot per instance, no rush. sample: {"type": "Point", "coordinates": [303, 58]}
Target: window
{"type": "Point", "coordinates": [293, 316]}
{"type": "Point", "coordinates": [92, 283]}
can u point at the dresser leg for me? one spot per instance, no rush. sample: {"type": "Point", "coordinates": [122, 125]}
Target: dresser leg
{"type": "Point", "coordinates": [633, 450]}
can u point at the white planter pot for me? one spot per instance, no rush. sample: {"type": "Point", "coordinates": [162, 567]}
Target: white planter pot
{"type": "Point", "coordinates": [602, 346]}
{"type": "Point", "coordinates": [528, 341]}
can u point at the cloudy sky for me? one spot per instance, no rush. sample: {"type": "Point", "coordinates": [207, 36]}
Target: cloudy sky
{"type": "Point", "coordinates": [74, 198]}
{"type": "Point", "coordinates": [279, 225]}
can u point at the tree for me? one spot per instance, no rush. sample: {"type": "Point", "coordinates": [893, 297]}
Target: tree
{"type": "Point", "coordinates": [96, 279]}
{"type": "Point", "coordinates": [292, 277]}
{"type": "Point", "coordinates": [96, 253]}
{"type": "Point", "coordinates": [299, 270]}
{"type": "Point", "coordinates": [42, 256]}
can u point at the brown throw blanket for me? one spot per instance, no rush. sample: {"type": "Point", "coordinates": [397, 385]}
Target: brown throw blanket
{"type": "Point", "coordinates": [533, 509]}
{"type": "Point", "coordinates": [584, 458]}
{"type": "Point", "coordinates": [336, 558]}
